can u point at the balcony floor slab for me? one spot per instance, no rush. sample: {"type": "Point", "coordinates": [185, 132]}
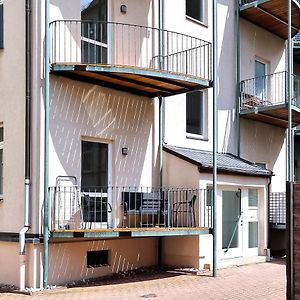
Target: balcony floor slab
{"type": "Point", "coordinates": [146, 82]}
{"type": "Point", "coordinates": [128, 232]}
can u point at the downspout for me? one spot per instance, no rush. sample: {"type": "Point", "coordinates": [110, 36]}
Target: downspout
{"type": "Point", "coordinates": [238, 79]}
{"type": "Point", "coordinates": [161, 114]}
{"type": "Point", "coordinates": [290, 171]}
{"type": "Point", "coordinates": [46, 146]}
{"type": "Point", "coordinates": [215, 134]}
{"type": "Point", "coordinates": [161, 99]}
{"type": "Point", "coordinates": [22, 271]}
{"type": "Point", "coordinates": [268, 214]}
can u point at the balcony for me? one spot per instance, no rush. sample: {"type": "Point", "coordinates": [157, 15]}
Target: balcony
{"type": "Point", "coordinates": [265, 99]}
{"type": "Point", "coordinates": [272, 15]}
{"type": "Point", "coordinates": [296, 47]}
{"type": "Point", "coordinates": [130, 58]}
{"type": "Point", "coordinates": [77, 212]}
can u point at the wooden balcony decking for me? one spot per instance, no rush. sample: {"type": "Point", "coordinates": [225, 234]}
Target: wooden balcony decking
{"type": "Point", "coordinates": [140, 81]}
{"type": "Point", "coordinates": [272, 15]}
{"type": "Point", "coordinates": [272, 114]}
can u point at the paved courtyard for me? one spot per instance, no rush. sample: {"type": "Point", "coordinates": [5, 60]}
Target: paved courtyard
{"type": "Point", "coordinates": [258, 281]}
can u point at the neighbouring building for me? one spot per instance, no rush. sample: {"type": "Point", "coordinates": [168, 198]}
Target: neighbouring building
{"type": "Point", "coordinates": [106, 135]}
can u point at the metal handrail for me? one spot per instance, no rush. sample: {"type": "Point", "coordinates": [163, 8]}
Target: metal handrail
{"type": "Point", "coordinates": [233, 233]}
{"type": "Point", "coordinates": [129, 45]}
{"type": "Point", "coordinates": [75, 207]}
{"type": "Point", "coordinates": [268, 90]}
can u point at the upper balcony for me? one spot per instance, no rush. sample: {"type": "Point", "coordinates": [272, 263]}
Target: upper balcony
{"type": "Point", "coordinates": [130, 58]}
{"type": "Point", "coordinates": [265, 99]}
{"type": "Point", "coordinates": [272, 15]}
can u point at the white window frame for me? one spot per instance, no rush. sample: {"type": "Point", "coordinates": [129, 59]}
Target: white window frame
{"type": "Point", "coordinates": [204, 20]}
{"type": "Point", "coordinates": [204, 120]}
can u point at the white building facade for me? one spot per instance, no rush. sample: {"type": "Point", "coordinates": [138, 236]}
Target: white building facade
{"type": "Point", "coordinates": [129, 178]}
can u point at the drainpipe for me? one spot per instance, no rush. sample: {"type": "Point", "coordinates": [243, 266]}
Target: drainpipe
{"type": "Point", "coordinates": [161, 114]}
{"type": "Point", "coordinates": [161, 99]}
{"type": "Point", "coordinates": [26, 227]}
{"type": "Point", "coordinates": [290, 170]}
{"type": "Point", "coordinates": [46, 146]}
{"type": "Point", "coordinates": [215, 134]}
{"type": "Point", "coordinates": [268, 213]}
{"type": "Point", "coordinates": [238, 78]}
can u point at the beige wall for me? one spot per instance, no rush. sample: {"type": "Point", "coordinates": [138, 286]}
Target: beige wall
{"type": "Point", "coordinates": [181, 251]}
{"type": "Point", "coordinates": [84, 111]}
{"type": "Point", "coordinates": [67, 261]}
{"type": "Point", "coordinates": [9, 262]}
{"type": "Point", "coordinates": [12, 115]}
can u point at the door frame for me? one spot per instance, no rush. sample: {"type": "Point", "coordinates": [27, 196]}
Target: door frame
{"type": "Point", "coordinates": [110, 215]}
{"type": "Point", "coordinates": [243, 249]}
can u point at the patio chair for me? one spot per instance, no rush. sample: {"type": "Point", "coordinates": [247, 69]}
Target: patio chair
{"type": "Point", "coordinates": [185, 207]}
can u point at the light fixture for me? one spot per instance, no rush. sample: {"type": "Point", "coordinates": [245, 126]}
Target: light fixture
{"type": "Point", "coordinates": [123, 9]}
{"type": "Point", "coordinates": [124, 150]}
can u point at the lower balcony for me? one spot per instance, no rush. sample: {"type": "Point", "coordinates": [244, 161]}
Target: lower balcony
{"type": "Point", "coordinates": [111, 212]}
{"type": "Point", "coordinates": [137, 59]}
{"type": "Point", "coordinates": [265, 99]}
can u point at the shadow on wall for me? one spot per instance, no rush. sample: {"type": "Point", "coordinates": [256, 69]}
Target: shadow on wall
{"type": "Point", "coordinates": [227, 67]}
{"type": "Point", "coordinates": [68, 261]}
{"type": "Point", "coordinates": [261, 143]}
{"type": "Point", "coordinates": [82, 110]}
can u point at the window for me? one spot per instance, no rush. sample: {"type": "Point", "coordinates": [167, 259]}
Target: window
{"type": "Point", "coordinates": [1, 162]}
{"type": "Point", "coordinates": [195, 113]}
{"type": "Point", "coordinates": [195, 9]}
{"type": "Point", "coordinates": [1, 25]}
{"type": "Point", "coordinates": [253, 197]}
{"type": "Point", "coordinates": [96, 259]}
{"type": "Point", "coordinates": [94, 34]}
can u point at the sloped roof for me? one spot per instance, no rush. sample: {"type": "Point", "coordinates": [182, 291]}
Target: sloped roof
{"type": "Point", "coordinates": [226, 163]}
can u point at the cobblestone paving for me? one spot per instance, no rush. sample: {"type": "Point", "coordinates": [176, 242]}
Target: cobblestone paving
{"type": "Point", "coordinates": [258, 281]}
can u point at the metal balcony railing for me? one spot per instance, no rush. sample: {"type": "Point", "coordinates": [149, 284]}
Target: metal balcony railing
{"type": "Point", "coordinates": [268, 90]}
{"type": "Point", "coordinates": [277, 208]}
{"type": "Point", "coordinates": [134, 46]}
{"type": "Point", "coordinates": [74, 207]}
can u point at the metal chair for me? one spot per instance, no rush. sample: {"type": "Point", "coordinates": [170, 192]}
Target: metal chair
{"type": "Point", "coordinates": [185, 207]}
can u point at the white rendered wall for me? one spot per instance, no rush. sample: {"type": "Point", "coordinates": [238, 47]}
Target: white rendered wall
{"type": "Point", "coordinates": [12, 116]}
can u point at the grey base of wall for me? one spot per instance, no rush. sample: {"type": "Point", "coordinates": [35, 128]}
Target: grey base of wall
{"type": "Point", "coordinates": [14, 237]}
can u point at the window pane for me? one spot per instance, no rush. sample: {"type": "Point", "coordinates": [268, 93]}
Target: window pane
{"type": "Point", "coordinates": [253, 197]}
{"type": "Point", "coordinates": [194, 9]}
{"type": "Point", "coordinates": [194, 113]}
{"type": "Point", "coordinates": [94, 10]}
{"type": "Point", "coordinates": [231, 211]}
{"type": "Point", "coordinates": [94, 165]}
{"type": "Point", "coordinates": [253, 235]}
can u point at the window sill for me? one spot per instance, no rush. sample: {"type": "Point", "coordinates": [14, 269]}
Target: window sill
{"type": "Point", "coordinates": [202, 23]}
{"type": "Point", "coordinates": [196, 137]}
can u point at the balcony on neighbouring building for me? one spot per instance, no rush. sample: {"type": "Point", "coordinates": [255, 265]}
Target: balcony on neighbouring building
{"type": "Point", "coordinates": [296, 47]}
{"type": "Point", "coordinates": [265, 99]}
{"type": "Point", "coordinates": [130, 58]}
{"type": "Point", "coordinates": [128, 211]}
{"type": "Point", "coordinates": [272, 15]}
